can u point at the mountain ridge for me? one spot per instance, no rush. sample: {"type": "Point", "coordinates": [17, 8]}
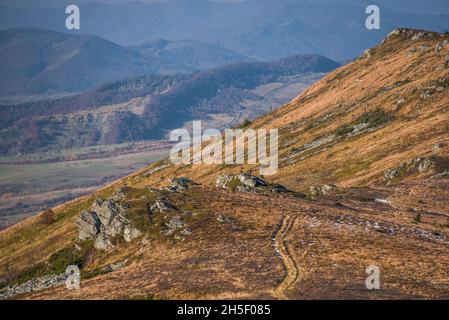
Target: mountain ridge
{"type": "Point", "coordinates": [364, 161]}
{"type": "Point", "coordinates": [38, 61]}
{"type": "Point", "coordinates": [248, 27]}
{"type": "Point", "coordinates": [221, 90]}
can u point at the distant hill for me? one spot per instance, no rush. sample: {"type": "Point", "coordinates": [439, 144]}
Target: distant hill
{"type": "Point", "coordinates": [221, 90]}
{"type": "Point", "coordinates": [45, 62]}
{"type": "Point", "coordinates": [146, 107]}
{"type": "Point", "coordinates": [262, 29]}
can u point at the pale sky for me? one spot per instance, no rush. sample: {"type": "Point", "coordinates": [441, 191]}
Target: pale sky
{"type": "Point", "coordinates": [56, 3]}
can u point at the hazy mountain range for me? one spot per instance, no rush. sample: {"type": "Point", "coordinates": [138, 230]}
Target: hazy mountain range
{"type": "Point", "coordinates": [261, 29]}
{"type": "Point", "coordinates": [146, 107]}
{"type": "Point", "coordinates": [35, 61]}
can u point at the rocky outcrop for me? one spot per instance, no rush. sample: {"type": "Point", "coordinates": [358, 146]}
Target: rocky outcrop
{"type": "Point", "coordinates": [242, 182]}
{"type": "Point", "coordinates": [162, 205]}
{"type": "Point", "coordinates": [49, 281]}
{"type": "Point", "coordinates": [416, 165]}
{"type": "Point", "coordinates": [33, 285]}
{"type": "Point", "coordinates": [176, 226]}
{"type": "Point", "coordinates": [181, 184]}
{"type": "Point", "coordinates": [317, 191]}
{"type": "Point", "coordinates": [106, 220]}
{"type": "Point", "coordinates": [88, 225]}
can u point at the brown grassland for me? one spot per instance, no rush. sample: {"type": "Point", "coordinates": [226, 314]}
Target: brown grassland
{"type": "Point", "coordinates": [378, 113]}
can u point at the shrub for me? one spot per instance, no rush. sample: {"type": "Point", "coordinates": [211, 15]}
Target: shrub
{"type": "Point", "coordinates": [246, 123]}
{"type": "Point", "coordinates": [60, 260]}
{"type": "Point", "coordinates": [417, 218]}
{"type": "Point", "coordinates": [47, 217]}
{"type": "Point", "coordinates": [233, 184]}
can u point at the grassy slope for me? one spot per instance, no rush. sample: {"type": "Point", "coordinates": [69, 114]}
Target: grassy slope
{"type": "Point", "coordinates": [342, 97]}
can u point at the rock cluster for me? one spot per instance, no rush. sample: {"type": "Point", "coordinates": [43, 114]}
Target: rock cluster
{"type": "Point", "coordinates": [242, 182]}
{"type": "Point", "coordinates": [176, 226]}
{"type": "Point", "coordinates": [105, 220]}
{"type": "Point", "coordinates": [317, 191]}
{"type": "Point", "coordinates": [33, 285]}
{"type": "Point", "coordinates": [420, 165]}
{"type": "Point", "coordinates": [47, 281]}
{"type": "Point", "coordinates": [162, 205]}
{"type": "Point", "coordinates": [181, 184]}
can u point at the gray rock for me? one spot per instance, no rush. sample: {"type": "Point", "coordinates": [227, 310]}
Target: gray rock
{"type": "Point", "coordinates": [107, 219]}
{"type": "Point", "coordinates": [382, 201]}
{"type": "Point", "coordinates": [179, 238]}
{"type": "Point", "coordinates": [248, 183]}
{"type": "Point", "coordinates": [88, 225]}
{"type": "Point", "coordinates": [368, 53]}
{"type": "Point", "coordinates": [186, 232]}
{"type": "Point", "coordinates": [390, 174]}
{"type": "Point", "coordinates": [225, 219]}
{"type": "Point", "coordinates": [323, 190]}
{"type": "Point", "coordinates": [223, 180]}
{"type": "Point", "coordinates": [162, 205]}
{"type": "Point", "coordinates": [181, 184]}
{"type": "Point", "coordinates": [107, 210]}
{"type": "Point", "coordinates": [116, 227]}
{"type": "Point", "coordinates": [175, 223]}
{"type": "Point", "coordinates": [36, 284]}
{"type": "Point", "coordinates": [103, 242]}
{"type": "Point", "coordinates": [421, 165]}
{"type": "Point", "coordinates": [130, 233]}
{"type": "Point", "coordinates": [251, 181]}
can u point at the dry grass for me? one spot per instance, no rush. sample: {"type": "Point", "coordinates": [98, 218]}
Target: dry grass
{"type": "Point", "coordinates": [332, 240]}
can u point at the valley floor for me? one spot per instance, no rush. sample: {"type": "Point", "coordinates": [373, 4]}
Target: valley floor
{"type": "Point", "coordinates": [42, 181]}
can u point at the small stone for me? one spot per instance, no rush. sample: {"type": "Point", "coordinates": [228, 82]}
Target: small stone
{"type": "Point", "coordinates": [175, 223]}
{"type": "Point", "coordinates": [382, 201]}
{"type": "Point", "coordinates": [186, 232]}
{"type": "Point", "coordinates": [181, 184]}
{"type": "Point", "coordinates": [179, 238]}
{"type": "Point", "coordinates": [162, 206]}
{"type": "Point", "coordinates": [225, 219]}
{"type": "Point", "coordinates": [130, 233]}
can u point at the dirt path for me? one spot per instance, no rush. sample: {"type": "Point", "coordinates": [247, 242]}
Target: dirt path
{"type": "Point", "coordinates": [282, 250]}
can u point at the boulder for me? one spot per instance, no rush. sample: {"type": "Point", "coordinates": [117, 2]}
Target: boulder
{"type": "Point", "coordinates": [317, 191]}
{"type": "Point", "coordinates": [88, 225]}
{"type": "Point", "coordinates": [251, 181]}
{"type": "Point", "coordinates": [107, 210]}
{"type": "Point", "coordinates": [162, 205]}
{"type": "Point", "coordinates": [241, 182]}
{"type": "Point", "coordinates": [175, 223]}
{"type": "Point", "coordinates": [103, 242]}
{"type": "Point", "coordinates": [116, 227]}
{"type": "Point", "coordinates": [130, 233]}
{"type": "Point", "coordinates": [225, 219]}
{"type": "Point", "coordinates": [107, 219]}
{"type": "Point", "coordinates": [33, 285]}
{"type": "Point", "coordinates": [181, 184]}
{"type": "Point", "coordinates": [223, 180]}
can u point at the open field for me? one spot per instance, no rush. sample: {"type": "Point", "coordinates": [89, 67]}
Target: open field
{"type": "Point", "coordinates": [26, 189]}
